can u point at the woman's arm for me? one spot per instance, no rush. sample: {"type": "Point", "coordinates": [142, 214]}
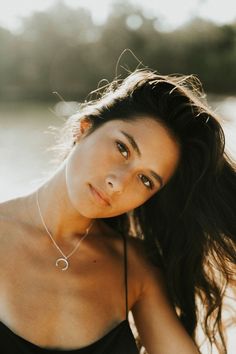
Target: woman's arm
{"type": "Point", "coordinates": [160, 330]}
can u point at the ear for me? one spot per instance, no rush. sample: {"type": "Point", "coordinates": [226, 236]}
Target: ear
{"type": "Point", "coordinates": [83, 126]}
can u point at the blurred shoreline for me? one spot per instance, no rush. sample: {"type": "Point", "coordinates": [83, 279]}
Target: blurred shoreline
{"type": "Point", "coordinates": [25, 139]}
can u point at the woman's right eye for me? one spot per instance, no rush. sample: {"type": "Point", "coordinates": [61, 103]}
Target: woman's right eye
{"type": "Point", "coordinates": [124, 151]}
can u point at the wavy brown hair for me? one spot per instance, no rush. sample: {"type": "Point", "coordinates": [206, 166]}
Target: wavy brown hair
{"type": "Point", "coordinates": [188, 228]}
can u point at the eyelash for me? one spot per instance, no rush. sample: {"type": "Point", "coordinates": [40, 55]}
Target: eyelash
{"type": "Point", "coordinates": [145, 179]}
{"type": "Point", "coordinates": [123, 148]}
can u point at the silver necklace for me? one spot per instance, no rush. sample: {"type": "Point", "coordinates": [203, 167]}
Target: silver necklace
{"type": "Point", "coordinates": [64, 258]}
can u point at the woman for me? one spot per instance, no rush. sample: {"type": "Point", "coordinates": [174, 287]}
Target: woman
{"type": "Point", "coordinates": [139, 216]}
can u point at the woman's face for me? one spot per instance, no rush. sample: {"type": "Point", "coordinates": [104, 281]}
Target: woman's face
{"type": "Point", "coordinates": [119, 166]}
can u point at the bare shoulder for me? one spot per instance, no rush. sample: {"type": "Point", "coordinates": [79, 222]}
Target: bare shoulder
{"type": "Point", "coordinates": [9, 218]}
{"type": "Point", "coordinates": [147, 275]}
{"type": "Point", "coordinates": [6, 208]}
{"type": "Point", "coordinates": [153, 312]}
{"type": "Point", "coordinates": [139, 257]}
{"type": "Point", "coordinates": [5, 216]}
{"type": "Point", "coordinates": [141, 272]}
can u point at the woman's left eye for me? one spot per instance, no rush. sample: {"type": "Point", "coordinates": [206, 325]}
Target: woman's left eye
{"type": "Point", "coordinates": [122, 149]}
{"type": "Point", "coordinates": [146, 181]}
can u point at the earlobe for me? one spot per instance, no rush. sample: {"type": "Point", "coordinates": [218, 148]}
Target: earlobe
{"type": "Point", "coordinates": [83, 126]}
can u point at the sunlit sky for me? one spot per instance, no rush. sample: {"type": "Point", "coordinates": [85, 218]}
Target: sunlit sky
{"type": "Point", "coordinates": [171, 13]}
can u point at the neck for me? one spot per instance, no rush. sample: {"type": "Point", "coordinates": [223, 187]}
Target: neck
{"type": "Point", "coordinates": [62, 220]}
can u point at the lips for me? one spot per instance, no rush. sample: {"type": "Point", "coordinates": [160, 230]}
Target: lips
{"type": "Point", "coordinates": [100, 196]}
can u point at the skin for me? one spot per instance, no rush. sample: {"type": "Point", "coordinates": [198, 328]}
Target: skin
{"type": "Point", "coordinates": [106, 161]}
{"type": "Point", "coordinates": [125, 177]}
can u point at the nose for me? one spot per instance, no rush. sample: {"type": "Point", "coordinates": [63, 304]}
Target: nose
{"type": "Point", "coordinates": [117, 182]}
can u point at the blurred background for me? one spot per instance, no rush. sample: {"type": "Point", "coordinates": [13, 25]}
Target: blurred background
{"type": "Point", "coordinates": [69, 47]}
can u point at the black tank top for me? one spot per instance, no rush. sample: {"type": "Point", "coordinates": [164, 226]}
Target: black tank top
{"type": "Point", "coordinates": [119, 340]}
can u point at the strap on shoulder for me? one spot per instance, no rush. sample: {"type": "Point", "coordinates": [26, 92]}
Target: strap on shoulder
{"type": "Point", "coordinates": [126, 276]}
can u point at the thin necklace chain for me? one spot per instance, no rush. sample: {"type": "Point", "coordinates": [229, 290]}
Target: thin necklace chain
{"type": "Point", "coordinates": [54, 242]}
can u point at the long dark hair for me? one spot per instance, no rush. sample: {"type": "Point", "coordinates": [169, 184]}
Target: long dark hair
{"type": "Point", "coordinates": [188, 228]}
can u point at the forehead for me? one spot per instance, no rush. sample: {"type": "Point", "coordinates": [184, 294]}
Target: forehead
{"type": "Point", "coordinates": [137, 125]}
{"type": "Point", "coordinates": [158, 149]}
{"type": "Point", "coordinates": [148, 132]}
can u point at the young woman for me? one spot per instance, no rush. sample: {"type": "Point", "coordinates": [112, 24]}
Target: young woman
{"type": "Point", "coordinates": [139, 216]}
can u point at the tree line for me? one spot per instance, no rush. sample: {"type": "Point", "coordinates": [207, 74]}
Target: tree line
{"type": "Point", "coordinates": [63, 50]}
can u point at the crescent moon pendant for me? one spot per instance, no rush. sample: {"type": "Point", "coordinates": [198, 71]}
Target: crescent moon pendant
{"type": "Point", "coordinates": [62, 260]}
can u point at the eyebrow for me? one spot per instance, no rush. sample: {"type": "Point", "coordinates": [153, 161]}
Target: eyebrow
{"type": "Point", "coordinates": [138, 152]}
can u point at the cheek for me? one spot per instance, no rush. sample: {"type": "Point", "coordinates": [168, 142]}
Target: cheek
{"type": "Point", "coordinates": [74, 177]}
{"type": "Point", "coordinates": [80, 163]}
{"type": "Point", "coordinates": [96, 156]}
{"type": "Point", "coordinates": [134, 196]}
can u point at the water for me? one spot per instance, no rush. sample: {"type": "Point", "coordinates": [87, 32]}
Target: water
{"type": "Point", "coordinates": [226, 108]}
{"type": "Point", "coordinates": [24, 140]}
{"type": "Point", "coordinates": [25, 160]}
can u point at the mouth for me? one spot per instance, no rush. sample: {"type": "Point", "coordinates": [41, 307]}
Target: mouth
{"type": "Point", "coordinates": [99, 196]}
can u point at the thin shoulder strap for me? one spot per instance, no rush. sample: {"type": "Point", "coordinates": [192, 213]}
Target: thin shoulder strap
{"type": "Point", "coordinates": [126, 276]}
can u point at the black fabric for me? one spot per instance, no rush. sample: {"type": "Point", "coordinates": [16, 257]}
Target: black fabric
{"type": "Point", "coordinates": [119, 340]}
